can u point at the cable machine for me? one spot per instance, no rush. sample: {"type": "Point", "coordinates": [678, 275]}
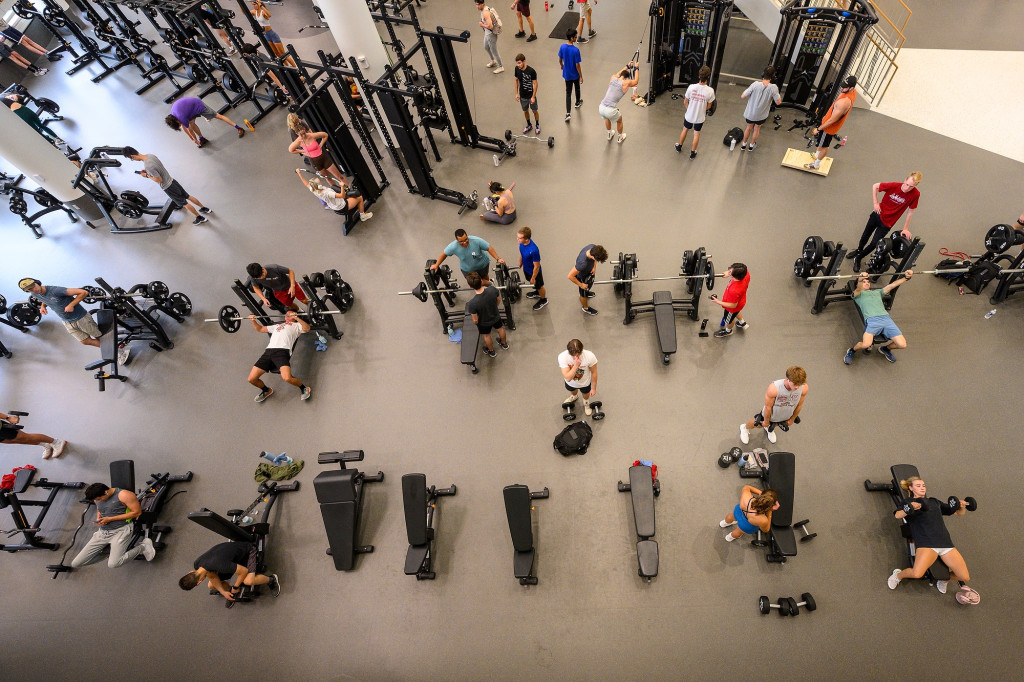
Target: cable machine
{"type": "Point", "coordinates": [686, 35]}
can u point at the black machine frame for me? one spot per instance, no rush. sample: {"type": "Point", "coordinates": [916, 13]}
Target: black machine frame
{"type": "Point", "coordinates": [684, 36]}
{"type": "Point", "coordinates": [9, 497]}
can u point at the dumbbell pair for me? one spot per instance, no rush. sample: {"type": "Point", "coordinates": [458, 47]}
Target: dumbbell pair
{"type": "Point", "coordinates": [787, 606]}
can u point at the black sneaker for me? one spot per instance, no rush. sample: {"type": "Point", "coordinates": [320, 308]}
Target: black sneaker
{"type": "Point", "coordinates": [503, 346]}
{"type": "Point", "coordinates": [533, 37]}
{"type": "Point", "coordinates": [532, 294]}
{"type": "Point", "coordinates": [275, 586]}
{"type": "Point", "coordinates": [693, 154]}
{"type": "Point", "coordinates": [206, 210]}
{"type": "Point", "coordinates": [540, 304]}
{"type": "Point", "coordinates": [520, 34]}
{"type": "Point", "coordinates": [579, 103]}
{"type": "Point", "coordinates": [853, 254]}
{"type": "Point", "coordinates": [200, 219]}
{"type": "Point", "coordinates": [582, 39]}
{"type": "Point", "coordinates": [722, 333]}
{"type": "Point", "coordinates": [848, 358]}
{"type": "Point", "coordinates": [592, 33]}
{"type": "Point", "coordinates": [490, 353]}
{"type": "Point", "coordinates": [679, 147]}
{"type": "Point", "coordinates": [591, 310]}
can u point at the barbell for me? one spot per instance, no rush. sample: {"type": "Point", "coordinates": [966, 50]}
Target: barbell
{"type": "Point", "coordinates": [155, 290]}
{"type": "Point", "coordinates": [709, 279]}
{"type": "Point", "coordinates": [230, 319]}
{"type": "Point", "coordinates": [916, 272]}
{"type": "Point", "coordinates": [420, 291]}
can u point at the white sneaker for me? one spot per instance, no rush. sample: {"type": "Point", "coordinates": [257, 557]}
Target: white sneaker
{"type": "Point", "coordinates": [124, 354]}
{"type": "Point", "coordinates": [571, 399]}
{"type": "Point", "coordinates": [47, 450]}
{"type": "Point", "coordinates": [621, 138]}
{"type": "Point", "coordinates": [58, 447]}
{"type": "Point", "coordinates": [491, 64]}
{"type": "Point", "coordinates": [148, 550]}
{"type": "Point", "coordinates": [729, 537]}
{"type": "Point", "coordinates": [587, 410]}
{"type": "Point", "coordinates": [744, 434]}
{"type": "Point", "coordinates": [725, 524]}
{"type": "Point", "coordinates": [500, 69]}
{"type": "Point", "coordinates": [363, 217]}
{"type": "Point", "coordinates": [893, 580]}
{"type": "Point", "coordinates": [941, 585]}
{"type": "Point", "coordinates": [610, 134]}
{"type": "Point", "coordinates": [771, 436]}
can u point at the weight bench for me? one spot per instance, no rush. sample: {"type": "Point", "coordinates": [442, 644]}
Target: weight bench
{"type": "Point", "coordinates": [23, 479]}
{"type": "Point", "coordinates": [518, 504]}
{"type": "Point", "coordinates": [643, 492]}
{"type": "Point", "coordinates": [880, 338]}
{"type": "Point", "coordinates": [419, 528]}
{"type": "Point", "coordinates": [665, 324]}
{"type": "Point", "coordinates": [470, 343]}
{"type": "Point", "coordinates": [106, 320]}
{"type": "Point", "coordinates": [901, 472]}
{"type": "Point", "coordinates": [778, 471]}
{"type": "Point", "coordinates": [340, 494]}
{"type": "Point", "coordinates": [253, 533]}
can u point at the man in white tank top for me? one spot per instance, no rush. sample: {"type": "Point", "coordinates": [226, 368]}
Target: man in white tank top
{"type": "Point", "coordinates": [782, 404]}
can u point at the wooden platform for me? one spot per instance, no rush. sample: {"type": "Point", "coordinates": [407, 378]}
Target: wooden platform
{"type": "Point", "coordinates": [796, 158]}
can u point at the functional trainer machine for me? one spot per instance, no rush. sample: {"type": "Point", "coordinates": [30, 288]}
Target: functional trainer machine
{"type": "Point", "coordinates": [518, 504]}
{"type": "Point", "coordinates": [340, 494]}
{"type": "Point", "coordinates": [419, 528]}
{"type": "Point", "coordinates": [686, 35]}
{"type": "Point", "coordinates": [10, 497]}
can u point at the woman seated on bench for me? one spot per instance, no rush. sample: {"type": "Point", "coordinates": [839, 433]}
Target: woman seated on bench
{"type": "Point", "coordinates": [336, 201]}
{"type": "Point", "coordinates": [930, 537]}
{"type": "Point", "coordinates": [752, 514]}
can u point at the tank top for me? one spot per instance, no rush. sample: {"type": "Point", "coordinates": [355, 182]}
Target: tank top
{"type": "Point", "coordinates": [614, 94]}
{"type": "Point", "coordinates": [786, 401]}
{"type": "Point", "coordinates": [834, 128]}
{"type": "Point", "coordinates": [261, 18]}
{"type": "Point", "coordinates": [313, 149]}
{"type": "Point", "coordinates": [112, 506]}
{"type": "Point", "coordinates": [511, 204]}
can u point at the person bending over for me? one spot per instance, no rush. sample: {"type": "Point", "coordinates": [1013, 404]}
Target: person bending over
{"type": "Point", "coordinates": [931, 539]}
{"type": "Point", "coordinates": [335, 201]}
{"type": "Point", "coordinates": [733, 299]}
{"type": "Point", "coordinates": [483, 308]}
{"type": "Point", "coordinates": [876, 317]}
{"type": "Point", "coordinates": [583, 272]}
{"type": "Point", "coordinates": [115, 509]}
{"type": "Point", "coordinates": [529, 261]}
{"type": "Point", "coordinates": [579, 371]}
{"type": "Point", "coordinates": [155, 171]}
{"type": "Point", "coordinates": [609, 108]}
{"type": "Point", "coordinates": [279, 280]}
{"type": "Point", "coordinates": [472, 254]}
{"type": "Point", "coordinates": [698, 100]}
{"type": "Point", "coordinates": [761, 93]}
{"type": "Point", "coordinates": [52, 447]}
{"type": "Point", "coordinates": [278, 354]}
{"type": "Point", "coordinates": [752, 513]}
{"type": "Point", "coordinates": [896, 198]}
{"type": "Point", "coordinates": [222, 562]}
{"type": "Point", "coordinates": [502, 210]}
{"type": "Point", "coordinates": [782, 403]}
{"type": "Point", "coordinates": [184, 113]}
{"type": "Point", "coordinates": [67, 304]}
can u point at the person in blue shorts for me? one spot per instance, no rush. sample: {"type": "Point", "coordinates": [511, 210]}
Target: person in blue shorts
{"type": "Point", "coordinates": [876, 317]}
{"type": "Point", "coordinates": [529, 261]}
{"type": "Point", "coordinates": [752, 514]}
{"type": "Point", "coordinates": [472, 253]}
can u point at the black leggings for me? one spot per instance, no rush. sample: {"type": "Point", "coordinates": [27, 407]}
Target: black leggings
{"type": "Point", "coordinates": [568, 94]}
{"type": "Point", "coordinates": [874, 227]}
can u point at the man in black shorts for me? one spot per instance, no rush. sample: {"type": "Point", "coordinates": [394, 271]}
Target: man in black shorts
{"type": "Point", "coordinates": [52, 447]}
{"type": "Point", "coordinates": [522, 8]}
{"type": "Point", "coordinates": [279, 280]}
{"type": "Point", "coordinates": [484, 310]}
{"type": "Point", "coordinates": [221, 562]}
{"type": "Point", "coordinates": [278, 354]}
{"type": "Point", "coordinates": [582, 275]}
{"type": "Point", "coordinates": [155, 171]}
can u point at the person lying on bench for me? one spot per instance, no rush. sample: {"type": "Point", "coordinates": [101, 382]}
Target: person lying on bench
{"type": "Point", "coordinates": [876, 317]}
{"type": "Point", "coordinates": [219, 563]}
{"type": "Point", "coordinates": [928, 531]}
{"type": "Point", "coordinates": [278, 354]}
{"type": "Point", "coordinates": [115, 509]}
{"type": "Point", "coordinates": [336, 201]}
{"type": "Point", "coordinates": [752, 513]}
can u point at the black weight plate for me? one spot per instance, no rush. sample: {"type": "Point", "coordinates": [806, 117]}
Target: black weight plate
{"type": "Point", "coordinates": [830, 248]}
{"type": "Point", "coordinates": [3, 304]}
{"type": "Point", "coordinates": [686, 262]}
{"type": "Point", "coordinates": [884, 245]}
{"type": "Point", "coordinates": [317, 278]}
{"type": "Point", "coordinates": [709, 275]}
{"type": "Point", "coordinates": [999, 238]}
{"type": "Point", "coordinates": [95, 294]}
{"type": "Point", "coordinates": [879, 263]}
{"type": "Point", "coordinates": [809, 605]}
{"type": "Point", "coordinates": [180, 303]}
{"type": "Point", "coordinates": [44, 198]}
{"type": "Point", "coordinates": [814, 249]}
{"type": "Point", "coordinates": [18, 205]}
{"type": "Point", "coordinates": [343, 297]}
{"type": "Point", "coordinates": [515, 287]}
{"type": "Point", "coordinates": [129, 209]}
{"type": "Point", "coordinates": [802, 268]}
{"type": "Point", "coordinates": [508, 135]}
{"type": "Point", "coordinates": [420, 291]}
{"type": "Point", "coordinates": [157, 290]}
{"type": "Point", "coordinates": [1018, 236]}
{"type": "Point", "coordinates": [24, 314]}
{"type": "Point", "coordinates": [228, 319]}
{"type": "Point", "coordinates": [315, 314]}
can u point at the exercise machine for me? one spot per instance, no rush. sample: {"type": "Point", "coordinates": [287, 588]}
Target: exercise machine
{"type": "Point", "coordinates": [237, 530]}
{"type": "Point", "coordinates": [518, 505]}
{"type": "Point", "coordinates": [340, 494]}
{"type": "Point", "coordinates": [686, 35]}
{"type": "Point", "coordinates": [778, 471]}
{"type": "Point", "coordinates": [130, 203]}
{"type": "Point", "coordinates": [19, 207]}
{"type": "Point", "coordinates": [320, 288]}
{"type": "Point", "coordinates": [11, 497]}
{"type": "Point", "coordinates": [643, 487]}
{"type": "Point", "coordinates": [58, 20]}
{"type": "Point", "coordinates": [419, 528]}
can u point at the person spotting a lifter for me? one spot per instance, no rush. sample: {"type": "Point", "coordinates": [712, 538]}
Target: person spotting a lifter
{"type": "Point", "coordinates": [897, 198]}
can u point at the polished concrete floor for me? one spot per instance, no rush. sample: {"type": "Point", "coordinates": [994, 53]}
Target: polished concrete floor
{"type": "Point", "coordinates": [393, 387]}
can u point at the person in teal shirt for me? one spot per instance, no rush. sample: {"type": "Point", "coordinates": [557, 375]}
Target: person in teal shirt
{"type": "Point", "coordinates": [472, 252]}
{"type": "Point", "coordinates": [876, 317]}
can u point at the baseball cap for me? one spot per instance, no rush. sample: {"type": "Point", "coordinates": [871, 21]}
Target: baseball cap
{"type": "Point", "coordinates": [26, 283]}
{"type": "Point", "coordinates": [849, 82]}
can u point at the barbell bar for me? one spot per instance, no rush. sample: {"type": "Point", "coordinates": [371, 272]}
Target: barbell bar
{"type": "Point", "coordinates": [420, 289]}
{"type": "Point", "coordinates": [656, 279]}
{"type": "Point", "coordinates": [230, 319]}
{"type": "Point", "coordinates": [949, 271]}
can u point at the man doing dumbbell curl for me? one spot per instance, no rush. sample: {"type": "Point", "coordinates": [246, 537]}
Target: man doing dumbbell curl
{"type": "Point", "coordinates": [930, 537]}
{"type": "Point", "coordinates": [278, 354]}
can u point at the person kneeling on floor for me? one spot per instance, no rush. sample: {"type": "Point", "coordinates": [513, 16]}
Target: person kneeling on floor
{"type": "Point", "coordinates": [221, 562]}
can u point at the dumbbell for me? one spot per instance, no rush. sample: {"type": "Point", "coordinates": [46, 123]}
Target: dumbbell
{"type": "Point", "coordinates": [802, 525]}
{"type": "Point", "coordinates": [570, 411]}
{"type": "Point", "coordinates": [764, 605]}
{"type": "Point", "coordinates": [954, 501]}
{"type": "Point", "coordinates": [806, 600]}
{"type": "Point", "coordinates": [598, 413]}
{"type": "Point", "coordinates": [728, 458]}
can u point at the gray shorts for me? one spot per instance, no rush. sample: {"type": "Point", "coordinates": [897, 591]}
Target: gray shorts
{"type": "Point", "coordinates": [610, 113]}
{"type": "Point", "coordinates": [177, 194]}
{"type": "Point", "coordinates": [525, 103]}
{"type": "Point", "coordinates": [208, 113]}
{"type": "Point", "coordinates": [83, 329]}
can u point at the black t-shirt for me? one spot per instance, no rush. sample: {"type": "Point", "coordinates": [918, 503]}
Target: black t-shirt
{"type": "Point", "coordinates": [926, 526]}
{"type": "Point", "coordinates": [584, 265]}
{"type": "Point", "coordinates": [224, 559]}
{"type": "Point", "coordinates": [485, 306]}
{"type": "Point", "coordinates": [276, 280]}
{"type": "Point", "coordinates": [525, 77]}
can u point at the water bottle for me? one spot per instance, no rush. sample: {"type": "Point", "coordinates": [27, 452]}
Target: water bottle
{"type": "Point", "coordinates": [732, 145]}
{"type": "Point", "coordinates": [545, 6]}
{"type": "Point", "coordinates": [246, 520]}
{"type": "Point", "coordinates": [990, 313]}
{"type": "Point", "coordinates": [842, 142]}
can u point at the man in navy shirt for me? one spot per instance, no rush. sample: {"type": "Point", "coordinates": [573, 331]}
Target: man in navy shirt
{"type": "Point", "coordinates": [529, 261]}
{"type": "Point", "coordinates": [67, 304]}
{"type": "Point", "coordinates": [582, 275]}
{"type": "Point", "coordinates": [221, 562]}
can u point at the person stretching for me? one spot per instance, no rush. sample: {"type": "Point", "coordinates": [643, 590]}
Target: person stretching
{"type": "Point", "coordinates": [184, 113]}
{"type": "Point", "coordinates": [753, 513]}
{"type": "Point", "coordinates": [876, 317]}
{"type": "Point", "coordinates": [310, 144]}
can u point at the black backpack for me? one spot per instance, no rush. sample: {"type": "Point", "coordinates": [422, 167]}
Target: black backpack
{"type": "Point", "coordinates": [733, 134]}
{"type": "Point", "coordinates": [952, 264]}
{"type": "Point", "coordinates": [574, 439]}
{"type": "Point", "coordinates": [978, 277]}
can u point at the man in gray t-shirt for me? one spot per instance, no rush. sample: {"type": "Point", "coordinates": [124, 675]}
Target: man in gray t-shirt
{"type": "Point", "coordinates": [115, 510]}
{"type": "Point", "coordinates": [67, 305]}
{"type": "Point", "coordinates": [156, 172]}
{"type": "Point", "coordinates": [761, 94]}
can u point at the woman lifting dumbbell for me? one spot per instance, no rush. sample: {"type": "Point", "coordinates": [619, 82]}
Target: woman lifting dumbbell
{"type": "Point", "coordinates": [753, 513]}
{"type": "Point", "coordinates": [927, 529]}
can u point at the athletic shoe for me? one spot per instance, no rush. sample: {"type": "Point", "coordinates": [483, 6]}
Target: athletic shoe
{"type": "Point", "coordinates": [893, 580]}
{"type": "Point", "coordinates": [848, 358]}
{"type": "Point", "coordinates": [610, 134]}
{"type": "Point", "coordinates": [679, 147]}
{"type": "Point", "coordinates": [202, 141]}
{"type": "Point", "coordinates": [853, 254]}
{"type": "Point", "coordinates": [363, 217]}
{"type": "Point", "coordinates": [491, 64]}
{"type": "Point", "coordinates": [500, 69]}
{"type": "Point", "coordinates": [941, 585]}
{"type": "Point", "coordinates": [124, 355]}
{"type": "Point", "coordinates": [206, 210]}
{"type": "Point", "coordinates": [306, 393]}
{"type": "Point", "coordinates": [200, 219]}
{"type": "Point", "coordinates": [812, 166]}
{"type": "Point", "coordinates": [532, 294]}
{"type": "Point", "coordinates": [540, 304]}
{"type": "Point", "coordinates": [527, 129]}
{"type": "Point", "coordinates": [621, 138]}
{"type": "Point", "coordinates": [58, 447]}
{"type": "Point", "coordinates": [592, 33]}
{"type": "Point", "coordinates": [521, 34]}
{"type": "Point", "coordinates": [856, 264]}
{"type": "Point", "coordinates": [590, 311]}
{"type": "Point", "coordinates": [232, 51]}
{"type": "Point", "coordinates": [263, 395]}
{"type": "Point", "coordinates": [742, 325]}
{"type": "Point", "coordinates": [40, 71]}
{"type": "Point", "coordinates": [771, 436]}
{"type": "Point", "coordinates": [581, 39]}
{"type": "Point", "coordinates": [241, 131]}
{"type": "Point", "coordinates": [571, 399]}
{"type": "Point", "coordinates": [567, 117]}
{"type": "Point", "coordinates": [536, 130]}
{"type": "Point", "coordinates": [148, 550]}
{"type": "Point", "coordinates": [47, 450]}
{"type": "Point", "coordinates": [743, 146]}
{"type": "Point", "coordinates": [722, 333]}
{"type": "Point", "coordinates": [887, 353]}
{"type": "Point", "coordinates": [751, 146]}
{"type": "Point", "coordinates": [579, 103]}
{"type": "Point", "coordinates": [275, 586]}
{"type": "Point", "coordinates": [693, 154]}
{"type": "Point", "coordinates": [587, 409]}
{"type": "Point", "coordinates": [967, 595]}
{"type": "Point", "coordinates": [503, 346]}
{"type": "Point", "coordinates": [729, 537]}
{"type": "Point", "coordinates": [533, 37]}
{"type": "Point", "coordinates": [725, 524]}
{"type": "Point", "coordinates": [490, 353]}
{"type": "Point", "coordinates": [744, 434]}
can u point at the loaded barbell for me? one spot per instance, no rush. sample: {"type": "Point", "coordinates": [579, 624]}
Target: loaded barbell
{"type": "Point", "coordinates": [420, 291]}
{"type": "Point", "coordinates": [943, 271]}
{"type": "Point", "coordinates": [156, 290]}
{"type": "Point", "coordinates": [230, 319]}
{"type": "Point", "coordinates": [709, 279]}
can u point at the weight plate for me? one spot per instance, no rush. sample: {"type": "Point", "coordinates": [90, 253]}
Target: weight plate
{"type": "Point", "coordinates": [810, 605]}
{"type": "Point", "coordinates": [802, 268]}
{"type": "Point", "coordinates": [315, 314]}
{"type": "Point", "coordinates": [883, 245]}
{"type": "Point", "coordinates": [508, 135]}
{"type": "Point", "coordinates": [999, 238]}
{"type": "Point", "coordinates": [332, 278]}
{"type": "Point", "coordinates": [551, 142]}
{"type": "Point", "coordinates": [420, 291]}
{"type": "Point", "coordinates": [686, 262]}
{"type": "Point", "coordinates": [24, 314]}
{"type": "Point", "coordinates": [95, 294]}
{"type": "Point", "coordinates": [3, 304]}
{"type": "Point", "coordinates": [180, 303]}
{"type": "Point", "coordinates": [18, 205]}
{"type": "Point", "coordinates": [44, 198]}
{"type": "Point", "coordinates": [830, 248]}
{"type": "Point", "coordinates": [129, 209]}
{"type": "Point", "coordinates": [709, 275]}
{"type": "Point", "coordinates": [228, 319]}
{"type": "Point", "coordinates": [157, 290]}
{"type": "Point", "coordinates": [317, 278]}
{"type": "Point", "coordinates": [814, 249]}
{"type": "Point", "coordinates": [900, 245]}
{"type": "Point", "coordinates": [279, 96]}
{"type": "Point", "coordinates": [515, 288]}
{"type": "Point", "coordinates": [879, 263]}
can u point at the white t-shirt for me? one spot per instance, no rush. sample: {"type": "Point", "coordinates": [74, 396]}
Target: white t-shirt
{"type": "Point", "coordinates": [330, 196]}
{"type": "Point", "coordinates": [700, 96]}
{"type": "Point", "coordinates": [582, 377]}
{"type": "Point", "coordinates": [284, 334]}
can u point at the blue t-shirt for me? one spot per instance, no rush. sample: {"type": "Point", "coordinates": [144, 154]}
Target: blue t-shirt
{"type": "Point", "coordinates": [57, 298]}
{"type": "Point", "coordinates": [531, 256]}
{"type": "Point", "coordinates": [471, 257]}
{"type": "Point", "coordinates": [584, 265]}
{"type": "Point", "coordinates": [570, 56]}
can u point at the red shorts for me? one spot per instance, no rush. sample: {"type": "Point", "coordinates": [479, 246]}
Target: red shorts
{"type": "Point", "coordinates": [286, 298]}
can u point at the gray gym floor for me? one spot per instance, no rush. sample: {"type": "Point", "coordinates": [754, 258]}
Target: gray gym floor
{"type": "Point", "coordinates": [393, 387]}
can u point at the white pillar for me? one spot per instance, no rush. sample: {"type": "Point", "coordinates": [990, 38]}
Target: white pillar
{"type": "Point", "coordinates": [356, 34]}
{"type": "Point", "coordinates": [31, 154]}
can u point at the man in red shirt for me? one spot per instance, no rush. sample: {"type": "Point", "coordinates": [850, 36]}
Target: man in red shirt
{"type": "Point", "coordinates": [733, 299]}
{"type": "Point", "coordinates": [897, 199]}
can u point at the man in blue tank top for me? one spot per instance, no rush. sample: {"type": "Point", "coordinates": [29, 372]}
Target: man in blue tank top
{"type": "Point", "coordinates": [115, 509]}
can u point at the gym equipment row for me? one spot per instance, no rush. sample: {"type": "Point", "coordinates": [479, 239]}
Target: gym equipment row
{"type": "Point", "coordinates": [334, 290]}
{"type": "Point", "coordinates": [18, 206]}
{"type": "Point", "coordinates": [974, 276]}
{"type": "Point", "coordinates": [131, 204]}
{"type": "Point", "coordinates": [59, 22]}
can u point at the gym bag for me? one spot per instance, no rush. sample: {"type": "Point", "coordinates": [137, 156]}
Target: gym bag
{"type": "Point", "coordinates": [495, 21]}
{"type": "Point", "coordinates": [952, 264]}
{"type": "Point", "coordinates": [978, 277]}
{"type": "Point", "coordinates": [733, 134]}
{"type": "Point", "coordinates": [574, 439]}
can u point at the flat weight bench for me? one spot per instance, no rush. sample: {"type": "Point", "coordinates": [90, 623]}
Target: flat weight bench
{"type": "Point", "coordinates": [106, 320]}
{"type": "Point", "coordinates": [902, 472]}
{"type": "Point", "coordinates": [518, 504]}
{"type": "Point", "coordinates": [665, 324]}
{"type": "Point", "coordinates": [419, 527]}
{"type": "Point", "coordinates": [778, 471]}
{"type": "Point", "coordinates": [23, 479]}
{"type": "Point", "coordinates": [470, 343]}
{"type": "Point", "coordinates": [643, 488]}
{"type": "Point", "coordinates": [340, 494]}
